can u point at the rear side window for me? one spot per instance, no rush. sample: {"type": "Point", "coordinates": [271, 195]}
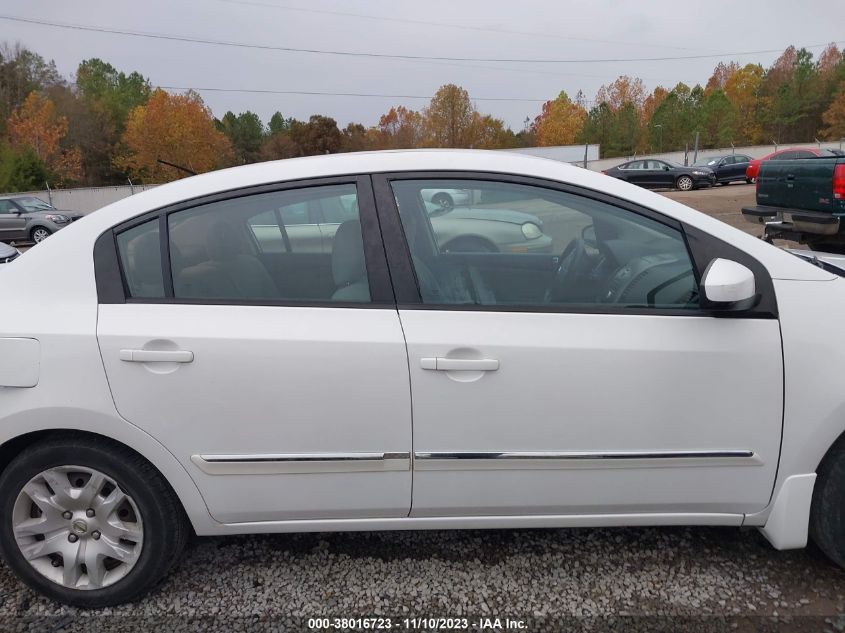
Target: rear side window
{"type": "Point", "coordinates": [140, 257]}
{"type": "Point", "coordinates": [267, 247]}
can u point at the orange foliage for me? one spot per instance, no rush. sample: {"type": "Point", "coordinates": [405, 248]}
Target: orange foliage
{"type": "Point", "coordinates": [560, 122]}
{"type": "Point", "coordinates": [621, 92]}
{"type": "Point", "coordinates": [176, 128]}
{"type": "Point", "coordinates": [834, 116]}
{"type": "Point", "coordinates": [36, 125]}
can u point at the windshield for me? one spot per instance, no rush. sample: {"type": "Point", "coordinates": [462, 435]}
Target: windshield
{"type": "Point", "coordinates": [31, 203]}
{"type": "Point", "coordinates": [706, 162]}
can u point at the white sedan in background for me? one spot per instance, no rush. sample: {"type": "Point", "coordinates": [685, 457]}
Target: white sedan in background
{"type": "Point", "coordinates": [654, 367]}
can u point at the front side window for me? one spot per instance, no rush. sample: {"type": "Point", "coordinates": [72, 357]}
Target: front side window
{"type": "Point", "coordinates": [519, 245]}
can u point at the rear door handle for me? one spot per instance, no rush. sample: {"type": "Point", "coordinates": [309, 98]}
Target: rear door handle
{"type": "Point", "coordinates": [156, 356]}
{"type": "Point", "coordinates": [459, 364]}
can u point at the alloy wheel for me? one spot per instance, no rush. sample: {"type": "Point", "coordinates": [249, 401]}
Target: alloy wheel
{"type": "Point", "coordinates": [39, 235]}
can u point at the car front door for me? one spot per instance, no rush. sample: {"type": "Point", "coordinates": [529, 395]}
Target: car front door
{"type": "Point", "coordinates": [281, 385]}
{"type": "Point", "coordinates": [12, 222]}
{"type": "Point", "coordinates": [589, 382]}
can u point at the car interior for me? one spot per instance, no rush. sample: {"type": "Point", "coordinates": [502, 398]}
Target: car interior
{"type": "Point", "coordinates": [242, 249]}
{"type": "Point", "coordinates": [617, 257]}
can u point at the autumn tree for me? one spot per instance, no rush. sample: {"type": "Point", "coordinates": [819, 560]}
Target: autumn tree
{"type": "Point", "coordinates": [622, 91]}
{"type": "Point", "coordinates": [743, 91]}
{"type": "Point", "coordinates": [21, 73]}
{"type": "Point", "coordinates": [177, 128]}
{"type": "Point", "coordinates": [401, 128]}
{"type": "Point", "coordinates": [449, 117]}
{"type": "Point", "coordinates": [834, 116]}
{"type": "Point", "coordinates": [721, 75]}
{"type": "Point", "coordinates": [319, 136]}
{"type": "Point", "coordinates": [37, 126]}
{"type": "Point", "coordinates": [560, 121]}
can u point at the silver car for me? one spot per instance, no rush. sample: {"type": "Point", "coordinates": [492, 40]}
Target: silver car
{"type": "Point", "coordinates": [8, 253]}
{"type": "Point", "coordinates": [311, 226]}
{"type": "Point", "coordinates": [30, 219]}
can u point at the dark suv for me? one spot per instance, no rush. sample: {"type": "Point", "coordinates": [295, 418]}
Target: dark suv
{"type": "Point", "coordinates": [27, 218]}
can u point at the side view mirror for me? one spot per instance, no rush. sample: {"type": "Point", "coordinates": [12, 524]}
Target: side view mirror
{"type": "Point", "coordinates": [666, 168]}
{"type": "Point", "coordinates": [728, 283]}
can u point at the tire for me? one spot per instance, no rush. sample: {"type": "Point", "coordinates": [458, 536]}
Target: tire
{"type": "Point", "coordinates": [684, 183]}
{"type": "Point", "coordinates": [39, 234]}
{"type": "Point", "coordinates": [749, 181]}
{"type": "Point", "coordinates": [443, 200]}
{"type": "Point", "coordinates": [827, 513]}
{"type": "Point", "coordinates": [146, 527]}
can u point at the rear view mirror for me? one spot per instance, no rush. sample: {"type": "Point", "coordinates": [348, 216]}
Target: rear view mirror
{"type": "Point", "coordinates": [726, 282]}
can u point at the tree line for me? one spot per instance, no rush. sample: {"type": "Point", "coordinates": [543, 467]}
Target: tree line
{"type": "Point", "coordinates": [108, 126]}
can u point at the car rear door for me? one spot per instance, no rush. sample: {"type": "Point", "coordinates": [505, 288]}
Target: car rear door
{"type": "Point", "coordinates": [281, 386]}
{"type": "Point", "coordinates": [587, 383]}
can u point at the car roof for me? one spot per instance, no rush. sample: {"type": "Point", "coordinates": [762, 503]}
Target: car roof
{"type": "Point", "coordinates": [75, 242]}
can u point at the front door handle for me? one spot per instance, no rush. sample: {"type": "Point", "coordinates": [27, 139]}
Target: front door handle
{"type": "Point", "coordinates": [460, 364]}
{"type": "Point", "coordinates": [156, 356]}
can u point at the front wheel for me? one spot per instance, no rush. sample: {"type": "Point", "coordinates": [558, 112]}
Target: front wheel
{"type": "Point", "coordinates": [827, 513]}
{"type": "Point", "coordinates": [39, 234]}
{"type": "Point", "coordinates": [749, 181]}
{"type": "Point", "coordinates": [88, 522]}
{"type": "Point", "coordinates": [444, 201]}
{"type": "Point", "coordinates": [684, 183]}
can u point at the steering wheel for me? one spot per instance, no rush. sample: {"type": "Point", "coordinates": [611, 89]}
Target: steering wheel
{"type": "Point", "coordinates": [571, 264]}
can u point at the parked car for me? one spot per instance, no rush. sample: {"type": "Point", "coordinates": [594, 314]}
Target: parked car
{"type": "Point", "coordinates": [310, 226]}
{"type": "Point", "coordinates": [790, 153]}
{"type": "Point", "coordinates": [446, 198]}
{"type": "Point", "coordinates": [658, 367]}
{"type": "Point", "coordinates": [653, 174]}
{"type": "Point", "coordinates": [27, 218]}
{"type": "Point", "coordinates": [727, 167]}
{"type": "Point", "coordinates": [802, 200]}
{"type": "Point", "coordinates": [8, 253]}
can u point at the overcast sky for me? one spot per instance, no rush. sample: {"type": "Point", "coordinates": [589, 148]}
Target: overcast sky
{"type": "Point", "coordinates": [593, 29]}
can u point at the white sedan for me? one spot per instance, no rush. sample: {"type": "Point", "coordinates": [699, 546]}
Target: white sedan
{"type": "Point", "coordinates": [176, 374]}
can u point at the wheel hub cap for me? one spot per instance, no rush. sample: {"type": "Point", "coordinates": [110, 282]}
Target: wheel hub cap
{"type": "Point", "coordinates": [76, 527]}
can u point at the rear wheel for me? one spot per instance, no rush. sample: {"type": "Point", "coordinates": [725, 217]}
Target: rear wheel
{"type": "Point", "coordinates": [684, 183]}
{"type": "Point", "coordinates": [88, 522]}
{"type": "Point", "coordinates": [749, 181]}
{"type": "Point", "coordinates": [39, 234]}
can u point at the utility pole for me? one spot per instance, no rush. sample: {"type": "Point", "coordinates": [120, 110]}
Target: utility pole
{"type": "Point", "coordinates": [695, 153]}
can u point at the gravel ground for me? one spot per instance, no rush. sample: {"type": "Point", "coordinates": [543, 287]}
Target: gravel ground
{"type": "Point", "coordinates": [660, 579]}
{"type": "Point", "coordinates": [649, 577]}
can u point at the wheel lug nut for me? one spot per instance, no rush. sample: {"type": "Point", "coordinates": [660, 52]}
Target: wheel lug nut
{"type": "Point", "coordinates": [73, 538]}
{"type": "Point", "coordinates": [67, 514]}
{"type": "Point", "coordinates": [95, 535]}
{"type": "Point", "coordinates": [89, 512]}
